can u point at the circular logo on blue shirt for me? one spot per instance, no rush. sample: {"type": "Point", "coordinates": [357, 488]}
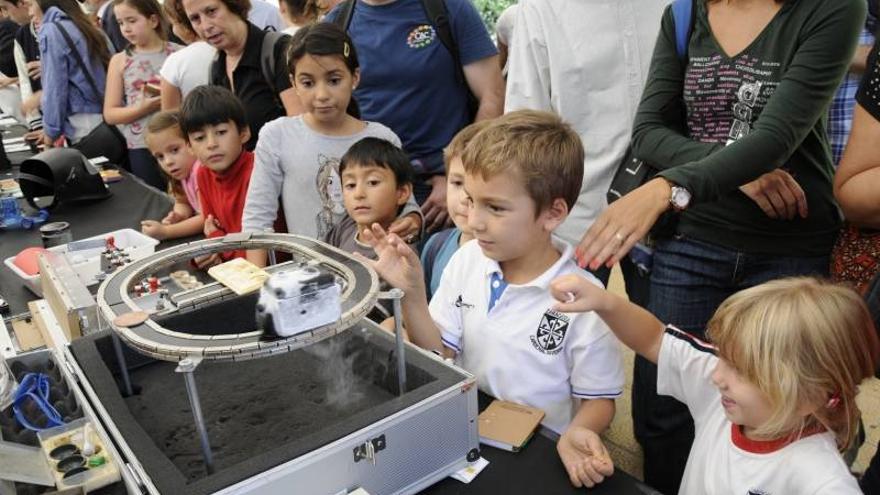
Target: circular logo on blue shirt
{"type": "Point", "coordinates": [421, 36]}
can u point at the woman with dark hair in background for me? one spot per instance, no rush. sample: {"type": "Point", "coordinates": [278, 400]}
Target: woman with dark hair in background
{"type": "Point", "coordinates": [71, 107]}
{"type": "Point", "coordinates": [239, 65]}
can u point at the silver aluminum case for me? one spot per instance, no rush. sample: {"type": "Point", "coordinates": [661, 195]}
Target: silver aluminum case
{"type": "Point", "coordinates": [425, 443]}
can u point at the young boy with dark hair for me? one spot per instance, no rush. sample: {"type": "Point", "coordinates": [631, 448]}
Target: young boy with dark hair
{"type": "Point", "coordinates": [376, 182]}
{"type": "Point", "coordinates": [212, 119]}
{"type": "Point", "coordinates": [493, 311]}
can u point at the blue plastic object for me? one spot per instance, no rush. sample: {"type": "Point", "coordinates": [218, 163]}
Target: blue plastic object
{"type": "Point", "coordinates": [35, 387]}
{"type": "Point", "coordinates": [12, 217]}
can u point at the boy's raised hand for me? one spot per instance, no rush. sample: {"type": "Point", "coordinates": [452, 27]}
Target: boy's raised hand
{"type": "Point", "coordinates": [576, 294]}
{"type": "Point", "coordinates": [395, 261]}
{"type": "Point", "coordinates": [584, 456]}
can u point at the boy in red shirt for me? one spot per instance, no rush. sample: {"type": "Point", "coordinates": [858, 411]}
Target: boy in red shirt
{"type": "Point", "coordinates": [214, 124]}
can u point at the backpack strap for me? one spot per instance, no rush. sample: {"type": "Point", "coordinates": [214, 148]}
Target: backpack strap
{"type": "Point", "coordinates": [683, 13]}
{"type": "Point", "coordinates": [439, 18]}
{"type": "Point", "coordinates": [432, 249]}
{"type": "Point", "coordinates": [267, 58]}
{"type": "Point", "coordinates": [82, 65]}
{"type": "Point", "coordinates": [215, 61]}
{"type": "Point", "coordinates": [346, 11]}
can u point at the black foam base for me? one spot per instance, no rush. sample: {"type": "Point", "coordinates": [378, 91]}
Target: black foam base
{"type": "Point", "coordinates": [258, 413]}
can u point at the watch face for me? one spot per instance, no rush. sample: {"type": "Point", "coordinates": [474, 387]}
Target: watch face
{"type": "Point", "coordinates": [681, 197]}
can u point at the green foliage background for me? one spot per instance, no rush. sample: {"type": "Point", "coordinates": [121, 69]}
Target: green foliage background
{"type": "Point", "coordinates": [491, 9]}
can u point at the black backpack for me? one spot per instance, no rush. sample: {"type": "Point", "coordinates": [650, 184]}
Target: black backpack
{"type": "Point", "coordinates": [438, 16]}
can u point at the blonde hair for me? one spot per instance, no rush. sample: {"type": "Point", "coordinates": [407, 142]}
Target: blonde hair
{"type": "Point", "coordinates": [804, 343]}
{"type": "Point", "coordinates": [456, 147]}
{"type": "Point", "coordinates": [545, 152]}
{"type": "Point", "coordinates": [159, 122]}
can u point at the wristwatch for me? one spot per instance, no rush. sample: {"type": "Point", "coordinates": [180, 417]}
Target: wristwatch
{"type": "Point", "coordinates": [679, 198]}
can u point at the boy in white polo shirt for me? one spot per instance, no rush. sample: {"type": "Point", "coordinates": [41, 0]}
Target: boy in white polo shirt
{"type": "Point", "coordinates": [493, 311]}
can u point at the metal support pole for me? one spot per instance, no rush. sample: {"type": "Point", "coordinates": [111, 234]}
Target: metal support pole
{"type": "Point", "coordinates": [271, 252]}
{"type": "Point", "coordinates": [188, 366]}
{"type": "Point", "coordinates": [123, 365]}
{"type": "Point", "coordinates": [396, 295]}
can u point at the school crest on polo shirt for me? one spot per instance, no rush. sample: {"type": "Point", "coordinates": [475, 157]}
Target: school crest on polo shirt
{"type": "Point", "coordinates": [421, 36]}
{"type": "Point", "coordinates": [550, 334]}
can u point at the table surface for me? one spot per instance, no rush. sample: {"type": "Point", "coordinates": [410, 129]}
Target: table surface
{"type": "Point", "coordinates": [534, 469]}
{"type": "Point", "coordinates": [130, 202]}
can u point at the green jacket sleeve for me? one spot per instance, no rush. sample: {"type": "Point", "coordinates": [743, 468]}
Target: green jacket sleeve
{"type": "Point", "coordinates": [826, 44]}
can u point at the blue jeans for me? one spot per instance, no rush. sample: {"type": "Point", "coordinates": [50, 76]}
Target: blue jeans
{"type": "Point", "coordinates": [689, 280]}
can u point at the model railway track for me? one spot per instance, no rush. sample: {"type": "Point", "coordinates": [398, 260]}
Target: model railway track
{"type": "Point", "coordinates": [359, 292]}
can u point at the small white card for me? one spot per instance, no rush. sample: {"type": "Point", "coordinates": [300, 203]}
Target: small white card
{"type": "Point", "coordinates": [469, 472]}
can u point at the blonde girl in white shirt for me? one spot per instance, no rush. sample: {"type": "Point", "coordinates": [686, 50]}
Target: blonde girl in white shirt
{"type": "Point", "coordinates": [773, 399]}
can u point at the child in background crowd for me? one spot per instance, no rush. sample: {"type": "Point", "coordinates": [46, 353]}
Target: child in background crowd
{"type": "Point", "coordinates": [493, 310]}
{"type": "Point", "coordinates": [213, 121]}
{"type": "Point", "coordinates": [774, 402]}
{"type": "Point", "coordinates": [442, 245]}
{"type": "Point", "coordinates": [133, 80]}
{"type": "Point", "coordinates": [297, 158]}
{"type": "Point", "coordinates": [167, 143]}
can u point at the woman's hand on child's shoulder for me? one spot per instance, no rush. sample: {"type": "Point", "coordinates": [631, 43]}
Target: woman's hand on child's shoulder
{"type": "Point", "coordinates": [576, 294]}
{"type": "Point", "coordinates": [407, 228]}
{"type": "Point", "coordinates": [584, 456]}
{"type": "Point", "coordinates": [154, 229]}
{"type": "Point", "coordinates": [395, 262]}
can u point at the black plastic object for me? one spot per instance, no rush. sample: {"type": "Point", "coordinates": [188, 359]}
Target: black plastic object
{"type": "Point", "coordinates": [60, 175]}
{"type": "Point", "coordinates": [75, 471]}
{"type": "Point", "coordinates": [63, 451]}
{"type": "Point", "coordinates": [70, 463]}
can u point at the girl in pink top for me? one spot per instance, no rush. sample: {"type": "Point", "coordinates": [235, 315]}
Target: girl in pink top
{"type": "Point", "coordinates": [166, 142]}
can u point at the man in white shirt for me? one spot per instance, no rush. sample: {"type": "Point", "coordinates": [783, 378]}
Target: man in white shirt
{"type": "Point", "coordinates": [587, 61]}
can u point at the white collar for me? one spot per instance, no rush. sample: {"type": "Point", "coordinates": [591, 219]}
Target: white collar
{"type": "Point", "coordinates": [541, 281]}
